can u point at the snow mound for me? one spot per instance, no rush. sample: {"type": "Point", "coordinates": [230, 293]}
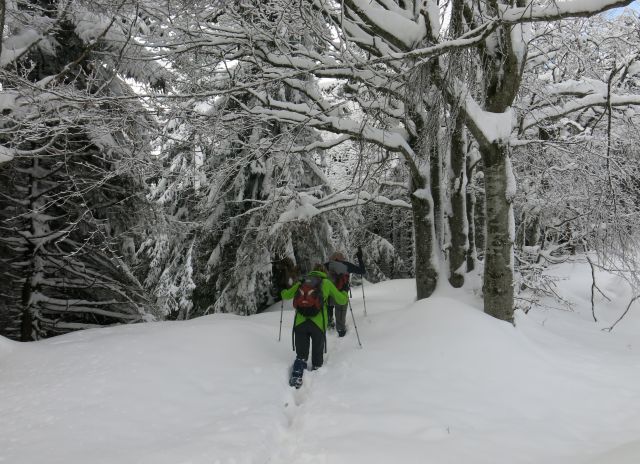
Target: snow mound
{"type": "Point", "coordinates": [6, 346]}
{"type": "Point", "coordinates": [436, 380]}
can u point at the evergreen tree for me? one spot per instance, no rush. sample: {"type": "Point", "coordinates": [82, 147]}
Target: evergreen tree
{"type": "Point", "coordinates": [71, 193]}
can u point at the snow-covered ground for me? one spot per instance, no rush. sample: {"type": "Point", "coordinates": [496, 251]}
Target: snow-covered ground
{"type": "Point", "coordinates": [436, 381]}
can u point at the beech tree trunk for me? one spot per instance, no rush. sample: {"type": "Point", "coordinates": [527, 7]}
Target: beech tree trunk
{"type": "Point", "coordinates": [457, 217]}
{"type": "Point", "coordinates": [470, 205]}
{"type": "Point", "coordinates": [502, 77]}
{"type": "Point", "coordinates": [422, 206]}
{"type": "Point", "coordinates": [436, 193]}
{"type": "Point", "coordinates": [498, 260]}
{"type": "Point", "coordinates": [426, 272]}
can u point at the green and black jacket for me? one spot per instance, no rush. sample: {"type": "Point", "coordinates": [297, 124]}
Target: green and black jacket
{"type": "Point", "coordinates": [328, 290]}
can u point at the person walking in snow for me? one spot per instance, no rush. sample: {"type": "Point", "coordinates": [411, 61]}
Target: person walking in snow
{"type": "Point", "coordinates": [310, 297]}
{"type": "Point", "coordinates": [339, 270]}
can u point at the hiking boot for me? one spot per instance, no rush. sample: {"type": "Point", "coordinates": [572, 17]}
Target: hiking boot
{"type": "Point", "coordinates": [331, 324]}
{"type": "Point", "coordinates": [342, 333]}
{"type": "Point", "coordinates": [315, 368]}
{"type": "Point", "coordinates": [299, 365]}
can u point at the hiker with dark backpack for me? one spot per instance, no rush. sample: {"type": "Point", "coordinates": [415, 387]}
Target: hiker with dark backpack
{"type": "Point", "coordinates": [310, 296]}
{"type": "Point", "coordinates": [339, 270]}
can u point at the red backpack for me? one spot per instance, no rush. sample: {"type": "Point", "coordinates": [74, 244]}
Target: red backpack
{"type": "Point", "coordinates": [308, 298]}
{"type": "Point", "coordinates": [339, 274]}
{"type": "Point", "coordinates": [341, 281]}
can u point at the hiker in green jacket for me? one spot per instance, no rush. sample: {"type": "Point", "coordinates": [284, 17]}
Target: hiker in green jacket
{"type": "Point", "coordinates": [310, 329]}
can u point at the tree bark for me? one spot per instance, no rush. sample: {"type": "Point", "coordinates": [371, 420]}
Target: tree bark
{"type": "Point", "coordinates": [3, 10]}
{"type": "Point", "coordinates": [26, 320]}
{"type": "Point", "coordinates": [422, 205]}
{"type": "Point", "coordinates": [471, 254]}
{"type": "Point", "coordinates": [457, 219]}
{"type": "Point", "coordinates": [32, 256]}
{"type": "Point", "coordinates": [502, 77]}
{"type": "Point", "coordinates": [498, 262]}
{"type": "Point", "coordinates": [436, 192]}
{"type": "Point", "coordinates": [426, 272]}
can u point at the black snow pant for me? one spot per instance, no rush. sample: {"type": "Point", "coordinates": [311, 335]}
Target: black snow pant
{"type": "Point", "coordinates": [309, 333]}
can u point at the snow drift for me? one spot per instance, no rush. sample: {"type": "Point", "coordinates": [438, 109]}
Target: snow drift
{"type": "Point", "coordinates": [437, 381]}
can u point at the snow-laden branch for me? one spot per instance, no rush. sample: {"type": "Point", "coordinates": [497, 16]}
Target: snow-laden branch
{"type": "Point", "coordinates": [79, 306]}
{"type": "Point", "coordinates": [556, 10]}
{"type": "Point", "coordinates": [395, 141]}
{"type": "Point", "coordinates": [574, 87]}
{"type": "Point", "coordinates": [310, 206]}
{"type": "Point", "coordinates": [591, 101]}
{"type": "Point", "coordinates": [17, 45]}
{"type": "Point", "coordinates": [342, 200]}
{"type": "Point", "coordinates": [395, 28]}
{"type": "Point", "coordinates": [321, 145]}
{"type": "Point", "coordinates": [6, 154]}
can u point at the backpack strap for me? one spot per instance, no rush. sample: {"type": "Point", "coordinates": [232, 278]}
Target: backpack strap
{"type": "Point", "coordinates": [293, 331]}
{"type": "Point", "coordinates": [293, 326]}
{"type": "Point", "coordinates": [324, 326]}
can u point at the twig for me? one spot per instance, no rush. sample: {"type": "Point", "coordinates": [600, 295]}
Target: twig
{"type": "Point", "coordinates": [609, 329]}
{"type": "Point", "coordinates": [593, 288]}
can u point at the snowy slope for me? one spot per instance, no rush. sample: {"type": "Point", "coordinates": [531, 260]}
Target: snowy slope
{"type": "Point", "coordinates": [437, 381]}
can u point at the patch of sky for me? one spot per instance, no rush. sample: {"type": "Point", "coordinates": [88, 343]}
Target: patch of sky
{"type": "Point", "coordinates": [635, 6]}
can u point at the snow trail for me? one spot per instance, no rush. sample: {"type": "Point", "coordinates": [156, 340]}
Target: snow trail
{"type": "Point", "coordinates": [437, 381]}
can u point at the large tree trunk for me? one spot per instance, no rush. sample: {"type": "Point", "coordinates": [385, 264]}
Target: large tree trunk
{"type": "Point", "coordinates": [498, 262]}
{"type": "Point", "coordinates": [503, 74]}
{"type": "Point", "coordinates": [26, 320]}
{"type": "Point", "coordinates": [436, 192]}
{"type": "Point", "coordinates": [458, 216]}
{"type": "Point", "coordinates": [426, 270]}
{"type": "Point", "coordinates": [35, 275]}
{"type": "Point", "coordinates": [425, 263]}
{"type": "Point", "coordinates": [422, 206]}
{"type": "Point", "coordinates": [470, 193]}
{"type": "Point", "coordinates": [3, 10]}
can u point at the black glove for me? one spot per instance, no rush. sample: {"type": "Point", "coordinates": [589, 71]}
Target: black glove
{"type": "Point", "coordinates": [360, 262]}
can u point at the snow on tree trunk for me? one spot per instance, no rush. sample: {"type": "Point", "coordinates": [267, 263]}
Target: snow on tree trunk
{"type": "Point", "coordinates": [38, 231]}
{"type": "Point", "coordinates": [437, 190]}
{"type": "Point", "coordinates": [470, 203]}
{"type": "Point", "coordinates": [424, 238]}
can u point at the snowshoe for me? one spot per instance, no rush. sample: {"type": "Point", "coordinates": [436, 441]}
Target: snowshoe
{"type": "Point", "coordinates": [297, 371]}
{"type": "Point", "coordinates": [295, 382]}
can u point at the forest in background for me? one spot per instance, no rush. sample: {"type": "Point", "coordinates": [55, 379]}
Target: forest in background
{"type": "Point", "coordinates": [162, 160]}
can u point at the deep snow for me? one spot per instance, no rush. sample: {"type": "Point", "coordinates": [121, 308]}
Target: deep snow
{"type": "Point", "coordinates": [437, 381]}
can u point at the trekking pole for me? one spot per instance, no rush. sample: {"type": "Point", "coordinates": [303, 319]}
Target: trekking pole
{"type": "Point", "coordinates": [354, 324]}
{"type": "Point", "coordinates": [364, 301]}
{"type": "Point", "coordinates": [281, 311]}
